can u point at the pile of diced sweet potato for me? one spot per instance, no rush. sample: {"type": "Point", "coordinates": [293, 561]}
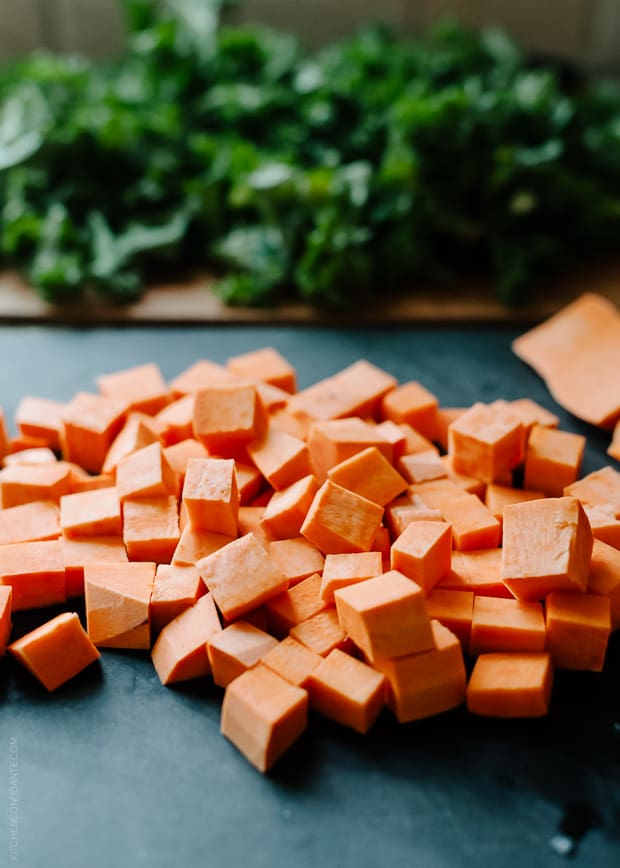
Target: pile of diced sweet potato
{"type": "Point", "coordinates": [337, 548]}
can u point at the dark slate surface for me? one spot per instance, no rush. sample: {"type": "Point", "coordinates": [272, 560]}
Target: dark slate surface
{"type": "Point", "coordinates": [114, 770]}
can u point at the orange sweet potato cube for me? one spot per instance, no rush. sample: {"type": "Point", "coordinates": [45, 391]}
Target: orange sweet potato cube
{"type": "Point", "coordinates": [369, 474]}
{"type": "Point", "coordinates": [228, 417]}
{"type": "Point", "coordinates": [552, 460]}
{"type": "Point", "coordinates": [117, 604]}
{"type": "Point", "coordinates": [473, 525]}
{"type": "Point", "coordinates": [39, 520]}
{"type": "Point", "coordinates": [354, 391]}
{"type": "Point", "coordinates": [151, 529]}
{"type": "Point", "coordinates": [235, 649]}
{"type": "Point", "coordinates": [292, 661]}
{"type": "Point", "coordinates": [423, 552]}
{"type": "Point", "coordinates": [547, 547]}
{"type": "Point", "coordinates": [175, 589]}
{"type": "Point", "coordinates": [530, 413]}
{"type": "Point", "coordinates": [294, 606]}
{"type": "Point", "coordinates": [138, 431]}
{"type": "Point", "coordinates": [453, 609]}
{"type": "Point", "coordinates": [241, 576]}
{"type": "Point", "coordinates": [333, 441]}
{"type": "Point", "coordinates": [297, 558]}
{"type": "Point", "coordinates": [342, 570]}
{"type": "Point", "coordinates": [91, 513]}
{"type": "Point", "coordinates": [339, 521]}
{"type": "Point", "coordinates": [287, 508]}
{"type": "Point", "coordinates": [262, 715]}
{"type": "Point", "coordinates": [347, 691]}
{"type": "Point", "coordinates": [90, 425]}
{"type": "Point", "coordinates": [180, 652]}
{"type": "Point", "coordinates": [146, 473]}
{"type": "Point", "coordinates": [281, 458]}
{"type": "Point", "coordinates": [428, 683]}
{"type": "Point", "coordinates": [506, 625]}
{"type": "Point", "coordinates": [37, 455]}
{"type": "Point", "coordinates": [486, 441]}
{"type": "Point", "coordinates": [516, 684]}
{"type": "Point", "coordinates": [479, 571]}
{"type": "Point", "coordinates": [36, 572]}
{"type": "Point", "coordinates": [445, 417]}
{"type": "Point", "coordinates": [396, 437]}
{"type": "Point", "coordinates": [249, 482]}
{"type": "Point", "coordinates": [211, 496]}
{"type": "Point", "coordinates": [26, 483]}
{"type": "Point", "coordinates": [604, 578]}
{"type": "Point", "coordinates": [196, 544]}
{"type": "Point", "coordinates": [266, 365]}
{"type": "Point", "coordinates": [599, 488]}
{"type": "Point", "coordinates": [322, 633]}
{"type": "Point", "coordinates": [604, 524]}
{"type": "Point", "coordinates": [413, 404]}
{"type": "Point", "coordinates": [6, 593]}
{"type": "Point", "coordinates": [176, 421]}
{"type": "Point", "coordinates": [40, 418]}
{"type": "Point", "coordinates": [179, 455]}
{"type": "Point", "coordinates": [499, 496]}
{"type": "Point", "coordinates": [385, 616]}
{"type": "Point", "coordinates": [56, 651]}
{"type": "Point", "coordinates": [202, 375]}
{"type": "Point", "coordinates": [578, 629]}
{"type": "Point", "coordinates": [79, 551]}
{"type": "Point", "coordinates": [422, 467]}
{"type": "Point", "coordinates": [141, 388]}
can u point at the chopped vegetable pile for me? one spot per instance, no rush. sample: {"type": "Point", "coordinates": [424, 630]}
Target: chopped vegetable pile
{"type": "Point", "coordinates": [340, 548]}
{"type": "Point", "coordinates": [335, 177]}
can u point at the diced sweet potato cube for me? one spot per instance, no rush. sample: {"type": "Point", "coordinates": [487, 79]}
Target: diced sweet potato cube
{"type": "Point", "coordinates": [347, 691]}
{"type": "Point", "coordinates": [292, 660]}
{"type": "Point", "coordinates": [286, 511]}
{"type": "Point", "coordinates": [547, 547]}
{"type": "Point", "coordinates": [334, 441]}
{"type": "Point", "coordinates": [90, 425]}
{"type": "Point", "coordinates": [322, 633]}
{"type": "Point", "coordinates": [56, 651]}
{"type": "Point", "coordinates": [479, 571]}
{"type": "Point", "coordinates": [453, 609]}
{"type": "Point", "coordinates": [516, 684]}
{"type": "Point", "coordinates": [422, 467]}
{"type": "Point", "coordinates": [605, 526]}
{"type": "Point", "coordinates": [197, 544]}
{"type": "Point", "coordinates": [251, 521]}
{"type": "Point", "coordinates": [176, 421]}
{"type": "Point", "coordinates": [228, 417]}
{"type": "Point", "coordinates": [604, 578]}
{"type": "Point", "coordinates": [91, 513]}
{"type": "Point", "coordinates": [38, 455]}
{"type": "Point", "coordinates": [26, 483]}
{"type": "Point", "coordinates": [146, 473]}
{"type": "Point", "coordinates": [151, 529]}
{"type": "Point", "coordinates": [249, 482]}
{"type": "Point", "coordinates": [530, 413]}
{"type": "Point", "coordinates": [369, 474]}
{"type": "Point", "coordinates": [396, 437]}
{"type": "Point", "coordinates": [89, 550]}
{"type": "Point", "coordinates": [117, 604]}
{"type": "Point", "coordinates": [39, 520]}
{"type": "Point", "coordinates": [211, 496]}
{"type": "Point", "coordinates": [354, 391]}
{"type": "Point", "coordinates": [339, 521]}
{"type": "Point", "coordinates": [506, 625]}
{"type": "Point", "coordinates": [138, 431]}
{"type": "Point", "coordinates": [552, 460]}
{"type": "Point", "coordinates": [385, 616]}
{"type": "Point", "coordinates": [36, 572]}
{"type": "Point", "coordinates": [423, 552]}
{"type": "Point", "coordinates": [281, 458]}
{"type": "Point", "coordinates": [342, 570]}
{"type": "Point", "coordinates": [413, 404]}
{"type": "Point", "coordinates": [294, 606]}
{"type": "Point", "coordinates": [175, 589]}
{"type": "Point", "coordinates": [431, 682]}
{"type": "Point", "coordinates": [414, 441]}
{"type": "Point", "coordinates": [578, 628]}
{"type": "Point", "coordinates": [436, 492]}
{"type": "Point", "coordinates": [407, 509]}
{"type": "Point", "coordinates": [600, 488]}
{"type": "Point", "coordinates": [267, 365]}
{"type": "Point", "coordinates": [236, 649]}
{"type": "Point", "coordinates": [202, 375]}
{"type": "Point", "coordinates": [486, 441]}
{"type": "Point", "coordinates": [40, 418]}
{"type": "Point", "coordinates": [179, 455]}
{"type": "Point", "coordinates": [468, 483]}
{"type": "Point", "coordinates": [6, 593]}
{"type": "Point", "coordinates": [499, 496]}
{"type": "Point", "coordinates": [141, 388]}
{"type": "Point", "coordinates": [241, 576]}
{"type": "Point", "coordinates": [262, 715]}
{"type": "Point", "coordinates": [180, 652]}
{"type": "Point", "coordinates": [297, 558]}
{"type": "Point", "coordinates": [473, 525]}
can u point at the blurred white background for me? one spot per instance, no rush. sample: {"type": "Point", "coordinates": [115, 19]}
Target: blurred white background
{"type": "Point", "coordinates": [587, 31]}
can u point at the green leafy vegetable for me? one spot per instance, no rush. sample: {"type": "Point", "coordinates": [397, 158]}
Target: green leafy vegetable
{"type": "Point", "coordinates": [336, 176]}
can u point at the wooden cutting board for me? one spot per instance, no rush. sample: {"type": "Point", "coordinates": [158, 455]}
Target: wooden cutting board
{"type": "Point", "coordinates": [193, 301]}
